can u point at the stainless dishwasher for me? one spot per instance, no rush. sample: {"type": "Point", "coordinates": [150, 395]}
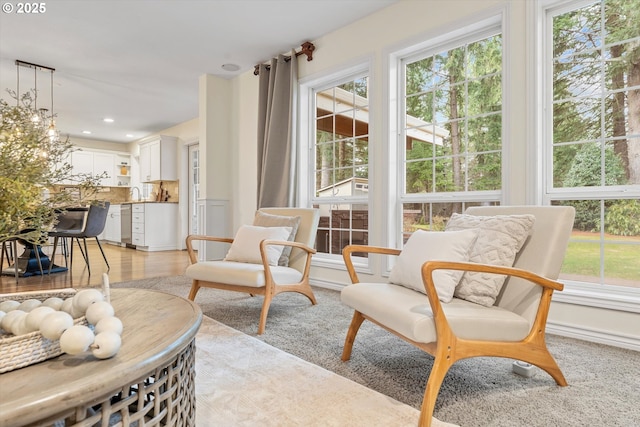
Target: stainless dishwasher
{"type": "Point", "coordinates": [125, 223]}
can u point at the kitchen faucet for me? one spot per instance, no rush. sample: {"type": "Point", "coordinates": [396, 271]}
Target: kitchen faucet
{"type": "Point", "coordinates": [135, 188]}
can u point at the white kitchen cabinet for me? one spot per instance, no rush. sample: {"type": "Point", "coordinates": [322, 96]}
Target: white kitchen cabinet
{"type": "Point", "coordinates": [158, 160]}
{"type": "Point", "coordinates": [89, 162]}
{"type": "Point", "coordinates": [82, 162]}
{"type": "Point", "coordinates": [112, 230]}
{"type": "Point", "coordinates": [145, 162]}
{"type": "Point", "coordinates": [154, 225]}
{"type": "Point", "coordinates": [104, 163]}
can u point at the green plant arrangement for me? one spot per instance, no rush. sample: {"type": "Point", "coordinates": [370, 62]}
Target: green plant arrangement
{"type": "Point", "coordinates": [33, 165]}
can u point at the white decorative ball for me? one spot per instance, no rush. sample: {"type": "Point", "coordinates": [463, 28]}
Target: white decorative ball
{"type": "Point", "coordinates": [99, 310]}
{"type": "Point", "coordinates": [76, 339]}
{"type": "Point", "coordinates": [109, 324]}
{"type": "Point", "coordinates": [19, 326]}
{"type": "Point", "coordinates": [35, 317]}
{"type": "Point", "coordinates": [9, 318]}
{"type": "Point", "coordinates": [84, 298]}
{"type": "Point", "coordinates": [54, 324]}
{"type": "Point", "coordinates": [106, 345]}
{"type": "Point", "coordinates": [9, 305]}
{"type": "Point", "coordinates": [53, 302]}
{"type": "Point", "coordinates": [67, 305]}
{"type": "Point", "coordinates": [28, 305]}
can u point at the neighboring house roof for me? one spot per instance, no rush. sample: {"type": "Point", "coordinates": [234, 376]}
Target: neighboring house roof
{"type": "Point", "coordinates": [349, 106]}
{"type": "Point", "coordinates": [343, 183]}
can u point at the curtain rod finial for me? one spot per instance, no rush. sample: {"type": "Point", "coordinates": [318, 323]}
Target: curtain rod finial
{"type": "Point", "coordinates": [307, 49]}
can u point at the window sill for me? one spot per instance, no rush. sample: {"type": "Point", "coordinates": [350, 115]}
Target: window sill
{"type": "Point", "coordinates": [611, 297]}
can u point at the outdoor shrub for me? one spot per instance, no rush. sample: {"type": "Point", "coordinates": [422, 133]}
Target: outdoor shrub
{"type": "Point", "coordinates": [585, 171]}
{"type": "Point", "coordinates": [623, 218]}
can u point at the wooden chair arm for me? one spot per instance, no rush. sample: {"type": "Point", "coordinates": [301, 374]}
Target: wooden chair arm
{"type": "Point", "coordinates": [286, 243]}
{"type": "Point", "coordinates": [265, 261]}
{"type": "Point", "coordinates": [350, 249]}
{"type": "Point", "coordinates": [442, 325]}
{"type": "Point", "coordinates": [430, 266]}
{"type": "Point", "coordinates": [200, 237]}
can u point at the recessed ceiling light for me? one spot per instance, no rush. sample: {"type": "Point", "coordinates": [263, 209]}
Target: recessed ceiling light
{"type": "Point", "coordinates": [86, 132]}
{"type": "Point", "coordinates": [129, 135]}
{"type": "Point", "coordinates": [230, 67]}
{"type": "Point", "coordinates": [107, 120]}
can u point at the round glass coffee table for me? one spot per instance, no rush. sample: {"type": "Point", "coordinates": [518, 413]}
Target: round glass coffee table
{"type": "Point", "coordinates": [150, 382]}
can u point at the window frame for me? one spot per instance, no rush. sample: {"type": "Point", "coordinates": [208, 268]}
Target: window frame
{"type": "Point", "coordinates": [464, 33]}
{"type": "Point", "coordinates": [308, 87]}
{"type": "Point", "coordinates": [540, 40]}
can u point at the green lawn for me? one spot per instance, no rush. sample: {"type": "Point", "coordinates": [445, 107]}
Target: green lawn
{"type": "Point", "coordinates": [622, 261]}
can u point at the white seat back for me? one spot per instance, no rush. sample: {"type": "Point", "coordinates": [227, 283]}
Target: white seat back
{"type": "Point", "coordinates": [306, 231]}
{"type": "Point", "coordinates": [542, 253]}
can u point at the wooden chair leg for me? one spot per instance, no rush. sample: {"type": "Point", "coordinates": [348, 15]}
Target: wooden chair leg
{"type": "Point", "coordinates": [263, 314]}
{"type": "Point", "coordinates": [441, 366]}
{"type": "Point", "coordinates": [356, 321]}
{"type": "Point", "coordinates": [195, 287]}
{"type": "Point", "coordinates": [308, 292]}
{"type": "Point", "coordinates": [547, 363]}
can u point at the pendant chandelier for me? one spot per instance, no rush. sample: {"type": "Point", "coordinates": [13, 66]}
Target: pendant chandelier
{"type": "Point", "coordinates": [41, 115]}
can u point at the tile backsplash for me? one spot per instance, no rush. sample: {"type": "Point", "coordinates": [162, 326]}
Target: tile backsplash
{"type": "Point", "coordinates": [170, 187]}
{"type": "Point", "coordinates": [123, 194]}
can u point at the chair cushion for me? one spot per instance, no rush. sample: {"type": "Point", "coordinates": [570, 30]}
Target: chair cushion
{"type": "Point", "coordinates": [500, 237]}
{"type": "Point", "coordinates": [408, 312]}
{"type": "Point", "coordinates": [425, 246]}
{"type": "Point", "coordinates": [269, 220]}
{"type": "Point", "coordinates": [246, 244]}
{"type": "Point", "coordinates": [239, 273]}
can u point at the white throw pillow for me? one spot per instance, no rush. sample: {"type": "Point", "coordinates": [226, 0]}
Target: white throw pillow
{"type": "Point", "coordinates": [246, 244]}
{"type": "Point", "coordinates": [425, 246]}
{"type": "Point", "coordinates": [263, 219]}
{"type": "Point", "coordinates": [500, 237]}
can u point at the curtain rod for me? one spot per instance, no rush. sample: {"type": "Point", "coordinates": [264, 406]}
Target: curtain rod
{"type": "Point", "coordinates": [307, 48]}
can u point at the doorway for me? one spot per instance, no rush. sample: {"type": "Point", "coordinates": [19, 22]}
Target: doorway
{"type": "Point", "coordinates": [193, 187]}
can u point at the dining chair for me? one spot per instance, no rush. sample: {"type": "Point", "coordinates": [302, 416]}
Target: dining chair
{"type": "Point", "coordinates": [92, 226]}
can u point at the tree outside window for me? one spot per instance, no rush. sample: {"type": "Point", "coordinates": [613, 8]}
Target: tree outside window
{"type": "Point", "coordinates": [594, 135]}
{"type": "Point", "coordinates": [452, 131]}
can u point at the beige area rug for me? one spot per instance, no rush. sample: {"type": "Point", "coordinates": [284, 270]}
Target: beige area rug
{"type": "Point", "coordinates": [241, 381]}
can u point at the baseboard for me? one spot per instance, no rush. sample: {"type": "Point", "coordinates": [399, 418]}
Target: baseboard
{"type": "Point", "coordinates": [327, 285]}
{"type": "Point", "coordinates": [593, 335]}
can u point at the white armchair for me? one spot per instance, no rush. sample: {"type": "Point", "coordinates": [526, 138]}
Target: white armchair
{"type": "Point", "coordinates": [452, 327]}
{"type": "Point", "coordinates": [257, 264]}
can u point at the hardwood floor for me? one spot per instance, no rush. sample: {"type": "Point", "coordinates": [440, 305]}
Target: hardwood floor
{"type": "Point", "coordinates": [126, 264]}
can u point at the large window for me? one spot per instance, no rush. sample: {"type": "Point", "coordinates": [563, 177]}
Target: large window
{"type": "Point", "coordinates": [450, 143]}
{"type": "Point", "coordinates": [340, 161]}
{"type": "Point", "coordinates": [592, 135]}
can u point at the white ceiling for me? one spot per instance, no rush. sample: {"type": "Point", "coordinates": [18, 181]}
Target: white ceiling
{"type": "Point", "coordinates": [139, 61]}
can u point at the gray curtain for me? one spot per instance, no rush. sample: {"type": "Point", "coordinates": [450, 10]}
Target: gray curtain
{"type": "Point", "coordinates": [276, 132]}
